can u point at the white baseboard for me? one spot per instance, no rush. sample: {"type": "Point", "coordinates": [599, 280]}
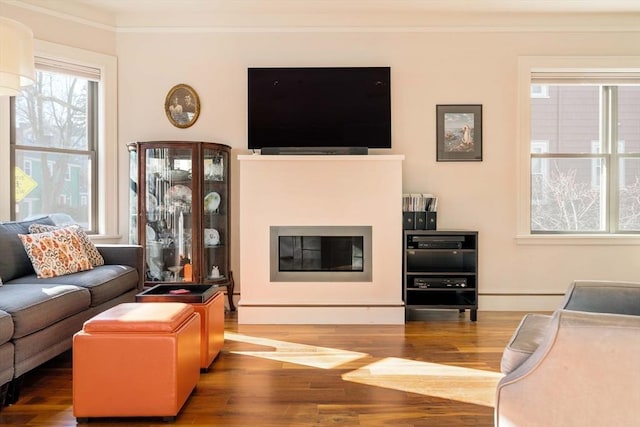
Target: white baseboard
{"type": "Point", "coordinates": [318, 315]}
{"type": "Point", "coordinates": [259, 314]}
{"type": "Point", "coordinates": [519, 302]}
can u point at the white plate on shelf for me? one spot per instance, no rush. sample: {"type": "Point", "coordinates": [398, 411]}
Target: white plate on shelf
{"type": "Point", "coordinates": [179, 193]}
{"type": "Point", "coordinates": [151, 233]}
{"type": "Point", "coordinates": [152, 207]}
{"type": "Point", "coordinates": [211, 201]}
{"type": "Point", "coordinates": [211, 237]}
{"type": "Point", "coordinates": [152, 202]}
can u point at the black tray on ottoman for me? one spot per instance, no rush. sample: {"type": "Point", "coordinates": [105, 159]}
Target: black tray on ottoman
{"type": "Point", "coordinates": [163, 293]}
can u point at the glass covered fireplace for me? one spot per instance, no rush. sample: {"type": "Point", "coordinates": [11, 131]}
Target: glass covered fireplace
{"type": "Point", "coordinates": [320, 253]}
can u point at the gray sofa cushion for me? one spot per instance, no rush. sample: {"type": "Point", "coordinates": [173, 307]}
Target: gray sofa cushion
{"type": "Point", "coordinates": [104, 282]}
{"type": "Point", "coordinates": [6, 327]}
{"type": "Point", "coordinates": [525, 340]}
{"type": "Point", "coordinates": [34, 307]}
{"type": "Point", "coordinates": [14, 261]}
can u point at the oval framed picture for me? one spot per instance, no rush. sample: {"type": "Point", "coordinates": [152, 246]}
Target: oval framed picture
{"type": "Point", "coordinates": [182, 106]}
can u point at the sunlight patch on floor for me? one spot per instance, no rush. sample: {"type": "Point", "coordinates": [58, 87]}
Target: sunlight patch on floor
{"type": "Point", "coordinates": [432, 379]}
{"type": "Point", "coordinates": [300, 354]}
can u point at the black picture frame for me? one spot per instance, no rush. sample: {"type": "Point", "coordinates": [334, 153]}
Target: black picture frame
{"type": "Point", "coordinates": [182, 106]}
{"type": "Point", "coordinates": [459, 133]}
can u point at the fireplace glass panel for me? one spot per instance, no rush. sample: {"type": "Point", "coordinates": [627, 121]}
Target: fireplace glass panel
{"type": "Point", "coordinates": [321, 253]}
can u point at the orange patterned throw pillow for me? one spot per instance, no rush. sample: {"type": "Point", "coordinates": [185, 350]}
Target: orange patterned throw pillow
{"type": "Point", "coordinates": [92, 252]}
{"type": "Point", "coordinates": [55, 253]}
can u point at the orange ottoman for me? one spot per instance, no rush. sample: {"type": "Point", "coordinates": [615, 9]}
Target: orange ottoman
{"type": "Point", "coordinates": [212, 328]}
{"type": "Point", "coordinates": [206, 301]}
{"type": "Point", "coordinates": [136, 359]}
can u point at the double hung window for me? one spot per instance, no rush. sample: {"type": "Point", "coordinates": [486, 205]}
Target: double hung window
{"type": "Point", "coordinates": [584, 151]}
{"type": "Point", "coordinates": [54, 126]}
{"type": "Point", "coordinates": [62, 134]}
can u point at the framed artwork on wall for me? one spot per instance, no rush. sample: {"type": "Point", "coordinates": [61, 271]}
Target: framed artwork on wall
{"type": "Point", "coordinates": [182, 106]}
{"type": "Point", "coordinates": [459, 133]}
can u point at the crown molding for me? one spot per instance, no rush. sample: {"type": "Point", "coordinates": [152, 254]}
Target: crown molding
{"type": "Point", "coordinates": [401, 20]}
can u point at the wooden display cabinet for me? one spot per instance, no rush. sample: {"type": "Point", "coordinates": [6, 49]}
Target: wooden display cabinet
{"type": "Point", "coordinates": [179, 201]}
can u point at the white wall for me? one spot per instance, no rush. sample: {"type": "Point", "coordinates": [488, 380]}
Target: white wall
{"type": "Point", "coordinates": [428, 68]}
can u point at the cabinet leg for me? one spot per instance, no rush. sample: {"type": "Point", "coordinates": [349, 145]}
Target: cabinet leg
{"type": "Point", "coordinates": [473, 314]}
{"type": "Point", "coordinates": [230, 288]}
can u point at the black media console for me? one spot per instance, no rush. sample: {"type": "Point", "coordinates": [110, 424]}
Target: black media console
{"type": "Point", "coordinates": [440, 271]}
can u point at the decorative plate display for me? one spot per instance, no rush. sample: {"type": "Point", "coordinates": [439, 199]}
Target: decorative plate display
{"type": "Point", "coordinates": [152, 207]}
{"type": "Point", "coordinates": [211, 202]}
{"type": "Point", "coordinates": [211, 237]}
{"type": "Point", "coordinates": [151, 233]}
{"type": "Point", "coordinates": [179, 193]}
{"type": "Point", "coordinates": [152, 203]}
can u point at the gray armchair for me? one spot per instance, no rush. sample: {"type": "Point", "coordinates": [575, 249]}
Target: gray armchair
{"type": "Point", "coordinates": [577, 367]}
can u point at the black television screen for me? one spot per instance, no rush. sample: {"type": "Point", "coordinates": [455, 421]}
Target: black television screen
{"type": "Point", "coordinates": [319, 107]}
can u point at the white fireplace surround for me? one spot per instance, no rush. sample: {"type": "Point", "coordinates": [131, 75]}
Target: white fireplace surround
{"type": "Point", "coordinates": [319, 190]}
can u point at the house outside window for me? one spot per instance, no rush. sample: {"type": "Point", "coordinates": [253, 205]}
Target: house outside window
{"type": "Point", "coordinates": [539, 91]}
{"type": "Point", "coordinates": [587, 178]}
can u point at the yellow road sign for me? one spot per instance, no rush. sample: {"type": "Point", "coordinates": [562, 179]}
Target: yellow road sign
{"type": "Point", "coordinates": [24, 184]}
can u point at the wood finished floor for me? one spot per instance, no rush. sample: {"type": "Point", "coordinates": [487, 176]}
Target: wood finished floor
{"type": "Point", "coordinates": [440, 371]}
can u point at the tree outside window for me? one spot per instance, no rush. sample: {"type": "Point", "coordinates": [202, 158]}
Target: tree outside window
{"type": "Point", "coordinates": [587, 179]}
{"type": "Point", "coordinates": [53, 130]}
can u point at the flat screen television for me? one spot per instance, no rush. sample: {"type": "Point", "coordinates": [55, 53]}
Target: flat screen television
{"type": "Point", "coordinates": [319, 107]}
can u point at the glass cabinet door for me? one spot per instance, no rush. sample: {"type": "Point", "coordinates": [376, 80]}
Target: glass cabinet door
{"type": "Point", "coordinates": [168, 188]}
{"type": "Point", "coordinates": [133, 193]}
{"type": "Point", "coordinates": [215, 224]}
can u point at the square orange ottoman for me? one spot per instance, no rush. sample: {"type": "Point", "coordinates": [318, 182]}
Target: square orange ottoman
{"type": "Point", "coordinates": [136, 359]}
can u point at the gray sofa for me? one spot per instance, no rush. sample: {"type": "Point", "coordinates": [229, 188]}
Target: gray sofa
{"type": "Point", "coordinates": [578, 366]}
{"type": "Point", "coordinates": [38, 317]}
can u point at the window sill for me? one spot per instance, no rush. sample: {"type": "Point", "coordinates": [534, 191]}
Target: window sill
{"type": "Point", "coordinates": [104, 238]}
{"type": "Point", "coordinates": [579, 240]}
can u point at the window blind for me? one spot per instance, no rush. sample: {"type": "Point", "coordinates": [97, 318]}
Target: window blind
{"type": "Point", "coordinates": [62, 67]}
{"type": "Point", "coordinates": [599, 77]}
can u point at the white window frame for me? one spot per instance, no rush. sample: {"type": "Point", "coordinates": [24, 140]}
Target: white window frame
{"type": "Point", "coordinates": [107, 187]}
{"type": "Point", "coordinates": [527, 65]}
{"type": "Point", "coordinates": [540, 146]}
